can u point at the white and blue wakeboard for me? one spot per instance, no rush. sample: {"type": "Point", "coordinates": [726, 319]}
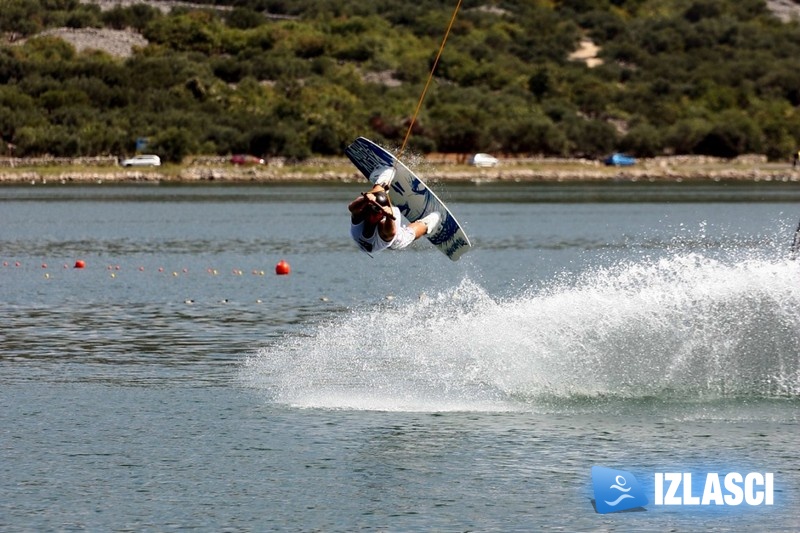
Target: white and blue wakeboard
{"type": "Point", "coordinates": [410, 194]}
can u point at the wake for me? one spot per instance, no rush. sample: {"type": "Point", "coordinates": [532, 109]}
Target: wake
{"type": "Point", "coordinates": [683, 327]}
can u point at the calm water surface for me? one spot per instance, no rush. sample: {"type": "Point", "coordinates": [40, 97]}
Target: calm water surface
{"type": "Point", "coordinates": [177, 383]}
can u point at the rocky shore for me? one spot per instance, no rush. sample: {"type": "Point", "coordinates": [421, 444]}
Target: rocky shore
{"type": "Point", "coordinates": [433, 169]}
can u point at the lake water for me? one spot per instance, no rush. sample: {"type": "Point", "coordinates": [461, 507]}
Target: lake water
{"type": "Point", "coordinates": [176, 382]}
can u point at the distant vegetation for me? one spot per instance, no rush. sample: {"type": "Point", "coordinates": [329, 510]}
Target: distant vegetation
{"type": "Point", "coordinates": [297, 78]}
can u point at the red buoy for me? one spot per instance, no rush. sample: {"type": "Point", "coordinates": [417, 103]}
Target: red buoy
{"type": "Point", "coordinates": [282, 268]}
{"type": "Point", "coordinates": [80, 263]}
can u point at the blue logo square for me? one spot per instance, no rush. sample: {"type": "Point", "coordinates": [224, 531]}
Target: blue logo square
{"type": "Point", "coordinates": [616, 490]}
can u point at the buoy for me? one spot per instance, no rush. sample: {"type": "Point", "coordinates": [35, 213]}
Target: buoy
{"type": "Point", "coordinates": [282, 268]}
{"type": "Point", "coordinates": [44, 265]}
{"type": "Point", "coordinates": [80, 263]}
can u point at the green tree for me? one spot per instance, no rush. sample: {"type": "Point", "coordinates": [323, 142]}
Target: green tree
{"type": "Point", "coordinates": [173, 144]}
{"type": "Point", "coordinates": [642, 140]}
{"type": "Point", "coordinates": [458, 127]}
{"type": "Point", "coordinates": [695, 76]}
{"type": "Point", "coordinates": [195, 31]}
{"type": "Point", "coordinates": [21, 16]}
{"type": "Point", "coordinates": [590, 138]}
{"type": "Point", "coordinates": [734, 133]}
{"type": "Point", "coordinates": [685, 135]}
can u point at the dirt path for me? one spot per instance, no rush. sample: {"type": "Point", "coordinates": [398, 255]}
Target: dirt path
{"type": "Point", "coordinates": [164, 6]}
{"type": "Point", "coordinates": [118, 43]}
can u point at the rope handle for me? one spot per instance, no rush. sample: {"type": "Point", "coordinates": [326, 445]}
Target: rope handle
{"type": "Point", "coordinates": [373, 202]}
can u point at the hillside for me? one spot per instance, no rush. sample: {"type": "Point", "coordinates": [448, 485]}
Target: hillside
{"type": "Point", "coordinates": [298, 79]}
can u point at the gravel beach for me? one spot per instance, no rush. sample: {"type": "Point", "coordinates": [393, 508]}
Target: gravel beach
{"type": "Point", "coordinates": [432, 168]}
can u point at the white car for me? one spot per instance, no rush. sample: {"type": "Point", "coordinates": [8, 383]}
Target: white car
{"type": "Point", "coordinates": [483, 160]}
{"type": "Point", "coordinates": [142, 161]}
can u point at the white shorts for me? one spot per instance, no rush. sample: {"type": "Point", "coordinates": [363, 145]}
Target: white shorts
{"type": "Point", "coordinates": [402, 238]}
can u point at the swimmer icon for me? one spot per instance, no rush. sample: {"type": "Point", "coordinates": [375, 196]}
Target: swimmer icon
{"type": "Point", "coordinates": [616, 490]}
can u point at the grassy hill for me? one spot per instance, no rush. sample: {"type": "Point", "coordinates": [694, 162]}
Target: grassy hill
{"type": "Point", "coordinates": [301, 78]}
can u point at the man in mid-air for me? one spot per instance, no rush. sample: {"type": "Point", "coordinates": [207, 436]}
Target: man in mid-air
{"type": "Point", "coordinates": [375, 224]}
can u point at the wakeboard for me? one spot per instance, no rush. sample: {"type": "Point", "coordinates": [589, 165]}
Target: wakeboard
{"type": "Point", "coordinates": [411, 195]}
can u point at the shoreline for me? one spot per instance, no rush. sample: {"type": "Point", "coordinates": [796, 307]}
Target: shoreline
{"type": "Point", "coordinates": [432, 169]}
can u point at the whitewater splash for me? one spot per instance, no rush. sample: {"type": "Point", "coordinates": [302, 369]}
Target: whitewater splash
{"type": "Point", "coordinates": [683, 327]}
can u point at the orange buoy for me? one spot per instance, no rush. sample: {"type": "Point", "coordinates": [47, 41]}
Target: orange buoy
{"type": "Point", "coordinates": [80, 263]}
{"type": "Point", "coordinates": [282, 268]}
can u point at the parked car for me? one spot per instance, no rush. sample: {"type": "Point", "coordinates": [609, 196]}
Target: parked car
{"type": "Point", "coordinates": [143, 160]}
{"type": "Point", "coordinates": [483, 160]}
{"type": "Point", "coordinates": [620, 160]}
{"type": "Point", "coordinates": [244, 159]}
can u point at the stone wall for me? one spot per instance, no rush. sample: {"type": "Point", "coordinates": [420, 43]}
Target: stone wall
{"type": "Point", "coordinates": [48, 161]}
